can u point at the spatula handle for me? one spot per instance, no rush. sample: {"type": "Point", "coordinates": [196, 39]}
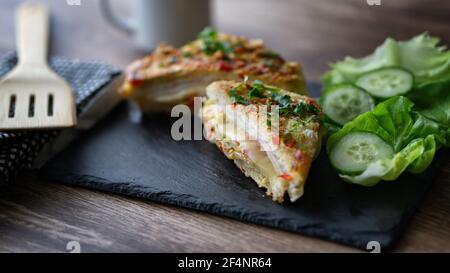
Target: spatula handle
{"type": "Point", "coordinates": [32, 23]}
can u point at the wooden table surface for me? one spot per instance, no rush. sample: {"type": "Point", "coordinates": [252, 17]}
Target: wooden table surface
{"type": "Point", "coordinates": [38, 216]}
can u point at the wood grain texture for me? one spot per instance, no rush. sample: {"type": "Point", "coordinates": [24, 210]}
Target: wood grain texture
{"type": "Point", "coordinates": [38, 216]}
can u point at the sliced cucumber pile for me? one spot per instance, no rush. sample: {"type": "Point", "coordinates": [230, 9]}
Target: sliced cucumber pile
{"type": "Point", "coordinates": [354, 152]}
{"type": "Point", "coordinates": [387, 82]}
{"type": "Point", "coordinates": [342, 103]}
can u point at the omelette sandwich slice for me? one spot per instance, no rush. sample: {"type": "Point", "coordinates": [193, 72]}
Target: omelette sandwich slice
{"type": "Point", "coordinates": [171, 76]}
{"type": "Point", "coordinates": [271, 134]}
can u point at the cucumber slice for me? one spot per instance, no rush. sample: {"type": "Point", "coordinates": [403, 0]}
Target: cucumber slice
{"type": "Point", "coordinates": [354, 152]}
{"type": "Point", "coordinates": [387, 82]}
{"type": "Point", "coordinates": [342, 103]}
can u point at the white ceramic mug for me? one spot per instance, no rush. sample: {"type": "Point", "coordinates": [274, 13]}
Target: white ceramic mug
{"type": "Point", "coordinates": [153, 21]}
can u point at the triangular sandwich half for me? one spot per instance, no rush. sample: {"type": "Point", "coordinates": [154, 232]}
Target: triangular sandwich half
{"type": "Point", "coordinates": [271, 134]}
{"type": "Point", "coordinates": [171, 76]}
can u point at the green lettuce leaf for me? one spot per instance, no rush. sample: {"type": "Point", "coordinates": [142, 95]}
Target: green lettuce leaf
{"type": "Point", "coordinates": [426, 157]}
{"type": "Point", "coordinates": [413, 137]}
{"type": "Point", "coordinates": [421, 55]}
{"type": "Point", "coordinates": [433, 101]}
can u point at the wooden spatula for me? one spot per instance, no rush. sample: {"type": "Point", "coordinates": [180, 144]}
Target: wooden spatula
{"type": "Point", "coordinates": [32, 96]}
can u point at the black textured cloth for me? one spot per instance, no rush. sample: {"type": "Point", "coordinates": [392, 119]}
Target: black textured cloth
{"type": "Point", "coordinates": [18, 150]}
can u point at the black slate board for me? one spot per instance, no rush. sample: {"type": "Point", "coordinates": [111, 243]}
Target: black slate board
{"type": "Point", "coordinates": [142, 160]}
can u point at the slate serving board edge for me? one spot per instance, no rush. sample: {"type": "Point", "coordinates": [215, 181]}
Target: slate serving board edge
{"type": "Point", "coordinates": [187, 201]}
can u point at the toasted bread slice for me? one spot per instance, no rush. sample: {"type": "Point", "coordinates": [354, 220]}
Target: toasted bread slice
{"type": "Point", "coordinates": [277, 154]}
{"type": "Point", "coordinates": [172, 76]}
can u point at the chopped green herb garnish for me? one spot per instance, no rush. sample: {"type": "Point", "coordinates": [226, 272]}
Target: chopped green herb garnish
{"type": "Point", "coordinates": [272, 89]}
{"type": "Point", "coordinates": [236, 98]}
{"type": "Point", "coordinates": [303, 108]}
{"type": "Point", "coordinates": [300, 109]}
{"type": "Point", "coordinates": [240, 100]}
{"type": "Point", "coordinates": [208, 33]}
{"type": "Point", "coordinates": [233, 91]}
{"type": "Point", "coordinates": [269, 54]}
{"type": "Point", "coordinates": [226, 47]}
{"type": "Point", "coordinates": [285, 111]}
{"type": "Point", "coordinates": [295, 127]}
{"type": "Point", "coordinates": [257, 90]}
{"type": "Point", "coordinates": [311, 108]}
{"type": "Point", "coordinates": [211, 44]}
{"type": "Point", "coordinates": [258, 84]}
{"type": "Point", "coordinates": [256, 93]}
{"type": "Point", "coordinates": [269, 119]}
{"type": "Point", "coordinates": [285, 104]}
{"type": "Point", "coordinates": [282, 100]}
{"type": "Point", "coordinates": [273, 54]}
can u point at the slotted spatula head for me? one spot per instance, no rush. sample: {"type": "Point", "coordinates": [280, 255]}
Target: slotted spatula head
{"type": "Point", "coordinates": [32, 96]}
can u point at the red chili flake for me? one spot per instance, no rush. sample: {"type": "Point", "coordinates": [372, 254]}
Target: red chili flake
{"type": "Point", "coordinates": [239, 50]}
{"type": "Point", "coordinates": [291, 143]}
{"type": "Point", "coordinates": [276, 140]}
{"type": "Point", "coordinates": [286, 177]}
{"type": "Point", "coordinates": [313, 102]}
{"type": "Point", "coordinates": [224, 66]}
{"type": "Point", "coordinates": [136, 82]}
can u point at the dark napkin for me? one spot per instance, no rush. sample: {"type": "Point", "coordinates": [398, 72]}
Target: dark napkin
{"type": "Point", "coordinates": [18, 150]}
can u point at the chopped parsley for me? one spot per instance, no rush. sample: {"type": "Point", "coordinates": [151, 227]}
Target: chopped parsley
{"type": "Point", "coordinates": [269, 54]}
{"type": "Point", "coordinates": [257, 90]}
{"type": "Point", "coordinates": [269, 119]}
{"type": "Point", "coordinates": [236, 98]}
{"type": "Point", "coordinates": [255, 93]}
{"type": "Point", "coordinates": [208, 33]}
{"type": "Point", "coordinates": [284, 102]}
{"type": "Point", "coordinates": [295, 127]}
{"type": "Point", "coordinates": [211, 43]}
{"type": "Point", "coordinates": [241, 100]}
{"type": "Point", "coordinates": [303, 108]}
{"type": "Point", "coordinates": [300, 109]}
{"type": "Point", "coordinates": [258, 84]}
